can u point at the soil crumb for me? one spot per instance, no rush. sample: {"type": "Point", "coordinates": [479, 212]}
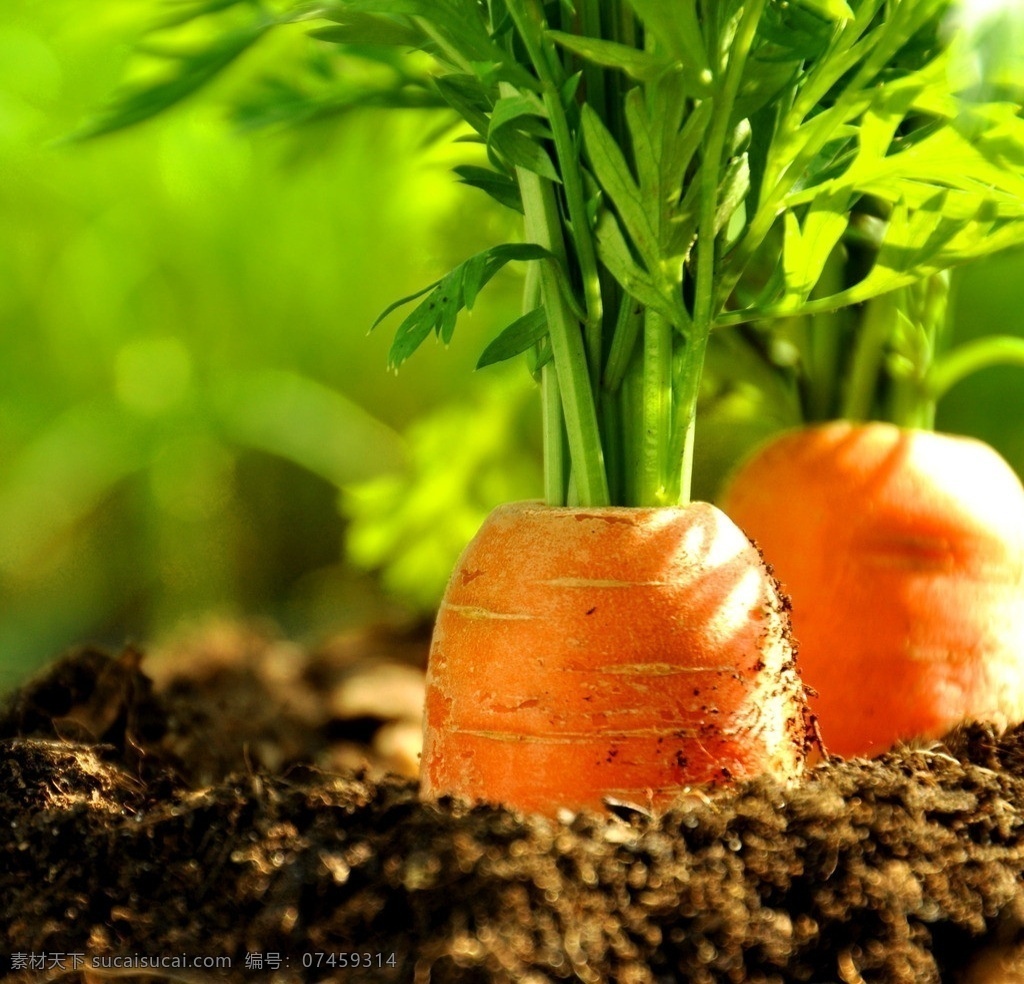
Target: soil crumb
{"type": "Point", "coordinates": [235, 803]}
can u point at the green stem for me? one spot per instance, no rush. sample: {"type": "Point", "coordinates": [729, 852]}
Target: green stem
{"type": "Point", "coordinates": [552, 421]}
{"type": "Point", "coordinates": [704, 310]}
{"type": "Point", "coordinates": [631, 401]}
{"type": "Point", "coordinates": [824, 333]}
{"type": "Point", "coordinates": [609, 405]}
{"type": "Point", "coordinates": [594, 83]}
{"type": "Point", "coordinates": [969, 358]}
{"type": "Point", "coordinates": [624, 338]}
{"type": "Point", "coordinates": [529, 21]}
{"type": "Point", "coordinates": [875, 330]}
{"type": "Point", "coordinates": [543, 225]}
{"type": "Point", "coordinates": [910, 407]}
{"type": "Point", "coordinates": [657, 409]}
{"type": "Point", "coordinates": [572, 183]}
{"type": "Point", "coordinates": [685, 425]}
{"type": "Point", "coordinates": [555, 464]}
{"type": "Point", "coordinates": [614, 444]}
{"type": "Point", "coordinates": [922, 322]}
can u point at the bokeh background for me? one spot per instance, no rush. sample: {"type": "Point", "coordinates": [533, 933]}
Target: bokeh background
{"type": "Point", "coordinates": [193, 417]}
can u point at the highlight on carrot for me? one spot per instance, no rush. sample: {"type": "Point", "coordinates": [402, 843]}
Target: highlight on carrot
{"type": "Point", "coordinates": [903, 553]}
{"type": "Point", "coordinates": [682, 170]}
{"type": "Point", "coordinates": [621, 652]}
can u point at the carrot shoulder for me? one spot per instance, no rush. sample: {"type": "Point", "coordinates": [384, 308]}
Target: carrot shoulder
{"type": "Point", "coordinates": [903, 553]}
{"type": "Point", "coordinates": [615, 652]}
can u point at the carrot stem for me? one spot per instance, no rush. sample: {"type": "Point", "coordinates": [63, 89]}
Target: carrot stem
{"type": "Point", "coordinates": [624, 339]}
{"type": "Point", "coordinates": [970, 357]}
{"type": "Point", "coordinates": [694, 352]}
{"type": "Point", "coordinates": [595, 89]}
{"type": "Point", "coordinates": [875, 328]}
{"type": "Point", "coordinates": [823, 347]}
{"type": "Point", "coordinates": [657, 409]}
{"type": "Point", "coordinates": [609, 411]}
{"type": "Point", "coordinates": [705, 307]}
{"type": "Point", "coordinates": [529, 19]}
{"type": "Point", "coordinates": [542, 225]}
{"type": "Point", "coordinates": [630, 404]}
{"type": "Point", "coordinates": [554, 438]}
{"type": "Point", "coordinates": [583, 240]}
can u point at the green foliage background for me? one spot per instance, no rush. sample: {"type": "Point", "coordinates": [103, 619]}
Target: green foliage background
{"type": "Point", "coordinates": [186, 379]}
{"type": "Point", "coordinates": [190, 408]}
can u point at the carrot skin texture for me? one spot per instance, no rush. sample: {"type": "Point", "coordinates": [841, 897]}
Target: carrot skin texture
{"type": "Point", "coordinates": [624, 652]}
{"type": "Point", "coordinates": [903, 554]}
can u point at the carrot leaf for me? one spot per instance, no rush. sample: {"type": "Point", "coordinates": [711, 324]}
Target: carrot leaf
{"type": "Point", "coordinates": [637, 64]}
{"type": "Point", "coordinates": [500, 187]}
{"type": "Point", "coordinates": [395, 305]}
{"type": "Point", "coordinates": [808, 245]}
{"type": "Point", "coordinates": [615, 254]}
{"type": "Point", "coordinates": [450, 295]}
{"type": "Point", "coordinates": [613, 173]}
{"type": "Point", "coordinates": [679, 167]}
{"type": "Point", "coordinates": [518, 139]}
{"type": "Point", "coordinates": [355, 27]}
{"type": "Point", "coordinates": [677, 28]}
{"type": "Point", "coordinates": [185, 71]}
{"type": "Point", "coordinates": [905, 134]}
{"type": "Point", "coordinates": [525, 332]}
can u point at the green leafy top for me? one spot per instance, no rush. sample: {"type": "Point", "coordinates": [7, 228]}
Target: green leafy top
{"type": "Point", "coordinates": [681, 166]}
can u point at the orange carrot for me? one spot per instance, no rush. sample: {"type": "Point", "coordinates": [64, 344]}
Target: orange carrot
{"type": "Point", "coordinates": [622, 652]}
{"type": "Point", "coordinates": [903, 554]}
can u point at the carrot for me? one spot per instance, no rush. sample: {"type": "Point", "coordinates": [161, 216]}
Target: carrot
{"type": "Point", "coordinates": [622, 652]}
{"type": "Point", "coordinates": [903, 553]}
{"type": "Point", "coordinates": [661, 156]}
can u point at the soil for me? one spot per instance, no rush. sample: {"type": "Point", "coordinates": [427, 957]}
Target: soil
{"type": "Point", "coordinates": [242, 798]}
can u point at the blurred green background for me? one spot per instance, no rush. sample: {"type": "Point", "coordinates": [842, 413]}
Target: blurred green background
{"type": "Point", "coordinates": [193, 418]}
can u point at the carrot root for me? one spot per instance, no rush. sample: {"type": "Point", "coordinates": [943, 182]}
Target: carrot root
{"type": "Point", "coordinates": [619, 652]}
{"type": "Point", "coordinates": [903, 553]}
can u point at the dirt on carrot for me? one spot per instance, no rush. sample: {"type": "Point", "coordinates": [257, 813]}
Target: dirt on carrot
{"type": "Point", "coordinates": [627, 653]}
{"type": "Point", "coordinates": [903, 554]}
{"type": "Point", "coordinates": [905, 869]}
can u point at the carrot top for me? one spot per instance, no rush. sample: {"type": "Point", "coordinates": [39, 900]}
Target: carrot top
{"type": "Point", "coordinates": [682, 167]}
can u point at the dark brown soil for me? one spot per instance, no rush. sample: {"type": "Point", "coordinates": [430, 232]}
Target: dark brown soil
{"type": "Point", "coordinates": [209, 807]}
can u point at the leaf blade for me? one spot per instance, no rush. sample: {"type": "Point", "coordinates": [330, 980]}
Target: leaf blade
{"type": "Point", "coordinates": [521, 335]}
{"type": "Point", "coordinates": [637, 63]}
{"type": "Point", "coordinates": [614, 175]}
{"type": "Point", "coordinates": [133, 105]}
{"type": "Point", "coordinates": [453, 293]}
